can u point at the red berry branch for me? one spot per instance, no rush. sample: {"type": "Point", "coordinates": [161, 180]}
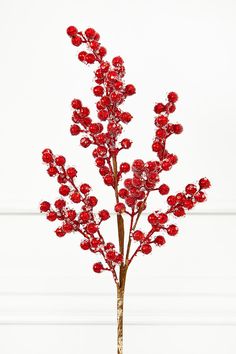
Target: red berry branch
{"type": "Point", "coordinates": [75, 207]}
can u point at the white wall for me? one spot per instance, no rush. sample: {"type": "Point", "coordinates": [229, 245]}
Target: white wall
{"type": "Point", "coordinates": [50, 301]}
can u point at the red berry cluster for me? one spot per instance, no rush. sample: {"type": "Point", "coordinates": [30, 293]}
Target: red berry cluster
{"type": "Point", "coordinates": [111, 92]}
{"type": "Point", "coordinates": [104, 135]}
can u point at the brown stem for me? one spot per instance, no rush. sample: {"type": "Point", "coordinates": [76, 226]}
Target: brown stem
{"type": "Point", "coordinates": [120, 313]}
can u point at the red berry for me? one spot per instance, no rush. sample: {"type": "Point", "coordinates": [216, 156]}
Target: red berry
{"type": "Point", "coordinates": [125, 117]}
{"type": "Point", "coordinates": [138, 165]}
{"type": "Point", "coordinates": [204, 183]}
{"type": "Point", "coordinates": [52, 216]}
{"type": "Point", "coordinates": [138, 235]}
{"type": "Point", "coordinates": [152, 219]}
{"type": "Point", "coordinates": [102, 51]}
{"type": "Point", "coordinates": [60, 203]}
{"type": "Point", "coordinates": [166, 165]}
{"type": "Point", "coordinates": [119, 258]}
{"type": "Point", "coordinates": [159, 241]}
{"type": "Point", "coordinates": [171, 200]}
{"type": "Point", "coordinates": [98, 90]}
{"type": "Point", "coordinates": [90, 58]}
{"type": "Point", "coordinates": [120, 208]}
{"type": "Point", "coordinates": [146, 249]}
{"type": "Point", "coordinates": [94, 45]}
{"type": "Point", "coordinates": [82, 56]}
{"type": "Point", "coordinates": [60, 160]}
{"type": "Point", "coordinates": [60, 232]}
{"type": "Point", "coordinates": [111, 255]}
{"type": "Point", "coordinates": [90, 33]}
{"type": "Point", "coordinates": [157, 147]}
{"type": "Point", "coordinates": [75, 197]}
{"type": "Point", "coordinates": [191, 189]}
{"type": "Point", "coordinates": [177, 128]}
{"type": "Point", "coordinates": [64, 190]}
{"type": "Point", "coordinates": [172, 97]}
{"type": "Point", "coordinates": [84, 216]}
{"type": "Point", "coordinates": [123, 193]}
{"type": "Point", "coordinates": [52, 171]}
{"type": "Point", "coordinates": [130, 201]}
{"type": "Point", "coordinates": [109, 246]}
{"type": "Point", "coordinates": [103, 115]}
{"type": "Point", "coordinates": [85, 142]}
{"type": "Point", "coordinates": [95, 242]}
{"type": "Point", "coordinates": [91, 228]}
{"type": "Point", "coordinates": [108, 180]}
{"type": "Point", "coordinates": [130, 90]}
{"type": "Point", "coordinates": [100, 161]}
{"type": "Point", "coordinates": [44, 206]}
{"type": "Point", "coordinates": [200, 197]}
{"type": "Point", "coordinates": [117, 61]}
{"type": "Point", "coordinates": [76, 104]}
{"type": "Point", "coordinates": [71, 172]}
{"type": "Point", "coordinates": [92, 201]}
{"type": "Point", "coordinates": [72, 31]}
{"type": "Point", "coordinates": [104, 214]}
{"type": "Point", "coordinates": [76, 41]}
{"type": "Point", "coordinates": [162, 218]}
{"type": "Point", "coordinates": [124, 167]}
{"type": "Point", "coordinates": [164, 189]}
{"type": "Point", "coordinates": [159, 108]}
{"type": "Point", "coordinates": [98, 267]}
{"type": "Point", "coordinates": [179, 212]}
{"type": "Point", "coordinates": [170, 107]}
{"type": "Point", "coordinates": [74, 129]}
{"type": "Point", "coordinates": [85, 245]}
{"type": "Point", "coordinates": [85, 188]}
{"type": "Point", "coordinates": [67, 227]}
{"type": "Point", "coordinates": [71, 214]}
{"type": "Point", "coordinates": [161, 133]}
{"type": "Point", "coordinates": [47, 157]}
{"type": "Point", "coordinates": [161, 120]}
{"type": "Point", "coordinates": [172, 230]}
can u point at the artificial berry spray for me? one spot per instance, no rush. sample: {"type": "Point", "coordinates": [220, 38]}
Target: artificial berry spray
{"type": "Point", "coordinates": [75, 208]}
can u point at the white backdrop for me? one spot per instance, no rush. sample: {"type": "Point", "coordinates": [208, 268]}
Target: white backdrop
{"type": "Point", "coordinates": [50, 301]}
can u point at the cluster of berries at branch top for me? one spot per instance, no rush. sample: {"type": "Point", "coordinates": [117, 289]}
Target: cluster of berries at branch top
{"type": "Point", "coordinates": [132, 182]}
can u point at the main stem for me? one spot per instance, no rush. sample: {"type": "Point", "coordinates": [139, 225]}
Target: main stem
{"type": "Point", "coordinates": [123, 267]}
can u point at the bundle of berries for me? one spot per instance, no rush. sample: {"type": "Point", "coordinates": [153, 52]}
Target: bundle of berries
{"type": "Point", "coordinates": [130, 192]}
{"type": "Point", "coordinates": [104, 135]}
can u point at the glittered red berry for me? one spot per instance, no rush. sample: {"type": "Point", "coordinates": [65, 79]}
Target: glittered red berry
{"type": "Point", "coordinates": [67, 227]}
{"type": "Point", "coordinates": [47, 157]}
{"type": "Point", "coordinates": [119, 208]}
{"type": "Point", "coordinates": [157, 147]}
{"type": "Point", "coordinates": [75, 129]}
{"type": "Point", "coordinates": [177, 128]}
{"type": "Point", "coordinates": [84, 216]}
{"type": "Point", "coordinates": [161, 120]}
{"type": "Point", "coordinates": [82, 55]}
{"type": "Point", "coordinates": [76, 41]}
{"type": "Point", "coordinates": [204, 183]}
{"type": "Point", "coordinates": [85, 188]}
{"type": "Point", "coordinates": [102, 51]}
{"type": "Point", "coordinates": [75, 197]}
{"type": "Point", "coordinates": [71, 214]}
{"type": "Point", "coordinates": [191, 189]}
{"type": "Point", "coordinates": [138, 235]}
{"type": "Point", "coordinates": [98, 90]}
{"type": "Point", "coordinates": [200, 197]}
{"type": "Point", "coordinates": [164, 189]}
{"type": "Point", "coordinates": [125, 117]}
{"type": "Point", "coordinates": [166, 165]}
{"type": "Point", "coordinates": [159, 108]}
{"type": "Point", "coordinates": [72, 31]}
{"type": "Point", "coordinates": [146, 249]}
{"type": "Point", "coordinates": [130, 90]}
{"type": "Point", "coordinates": [90, 33]}
{"type": "Point", "coordinates": [152, 219]}
{"type": "Point", "coordinates": [97, 267]}
{"type": "Point", "coordinates": [111, 255]}
{"type": "Point", "coordinates": [90, 58]}
{"type": "Point", "coordinates": [162, 218]}
{"type": "Point", "coordinates": [52, 171]}
{"type": "Point", "coordinates": [172, 97]}
{"type": "Point", "coordinates": [172, 230]}
{"type": "Point", "coordinates": [85, 245]}
{"type": "Point", "coordinates": [52, 216]}
{"type": "Point", "coordinates": [130, 201]}
{"type": "Point", "coordinates": [109, 246]}
{"type": "Point", "coordinates": [92, 201]}
{"type": "Point", "coordinates": [109, 180]}
{"type": "Point", "coordinates": [123, 193]}
{"type": "Point", "coordinates": [71, 172]}
{"type": "Point", "coordinates": [85, 142]}
{"type": "Point", "coordinates": [171, 200]}
{"type": "Point", "coordinates": [94, 45]}
{"type": "Point", "coordinates": [159, 241]}
{"type": "Point", "coordinates": [64, 190]}
{"type": "Point", "coordinates": [117, 61]}
{"type": "Point", "coordinates": [138, 165]}
{"type": "Point", "coordinates": [76, 104]}
{"type": "Point", "coordinates": [60, 160]}
{"type": "Point", "coordinates": [95, 242]}
{"type": "Point", "coordinates": [44, 206]}
{"type": "Point", "coordinates": [103, 114]}
{"type": "Point", "coordinates": [60, 232]}
{"type": "Point", "coordinates": [124, 167]}
{"type": "Point", "coordinates": [91, 228]}
{"type": "Point", "coordinates": [104, 214]}
{"type": "Point", "coordinates": [60, 203]}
